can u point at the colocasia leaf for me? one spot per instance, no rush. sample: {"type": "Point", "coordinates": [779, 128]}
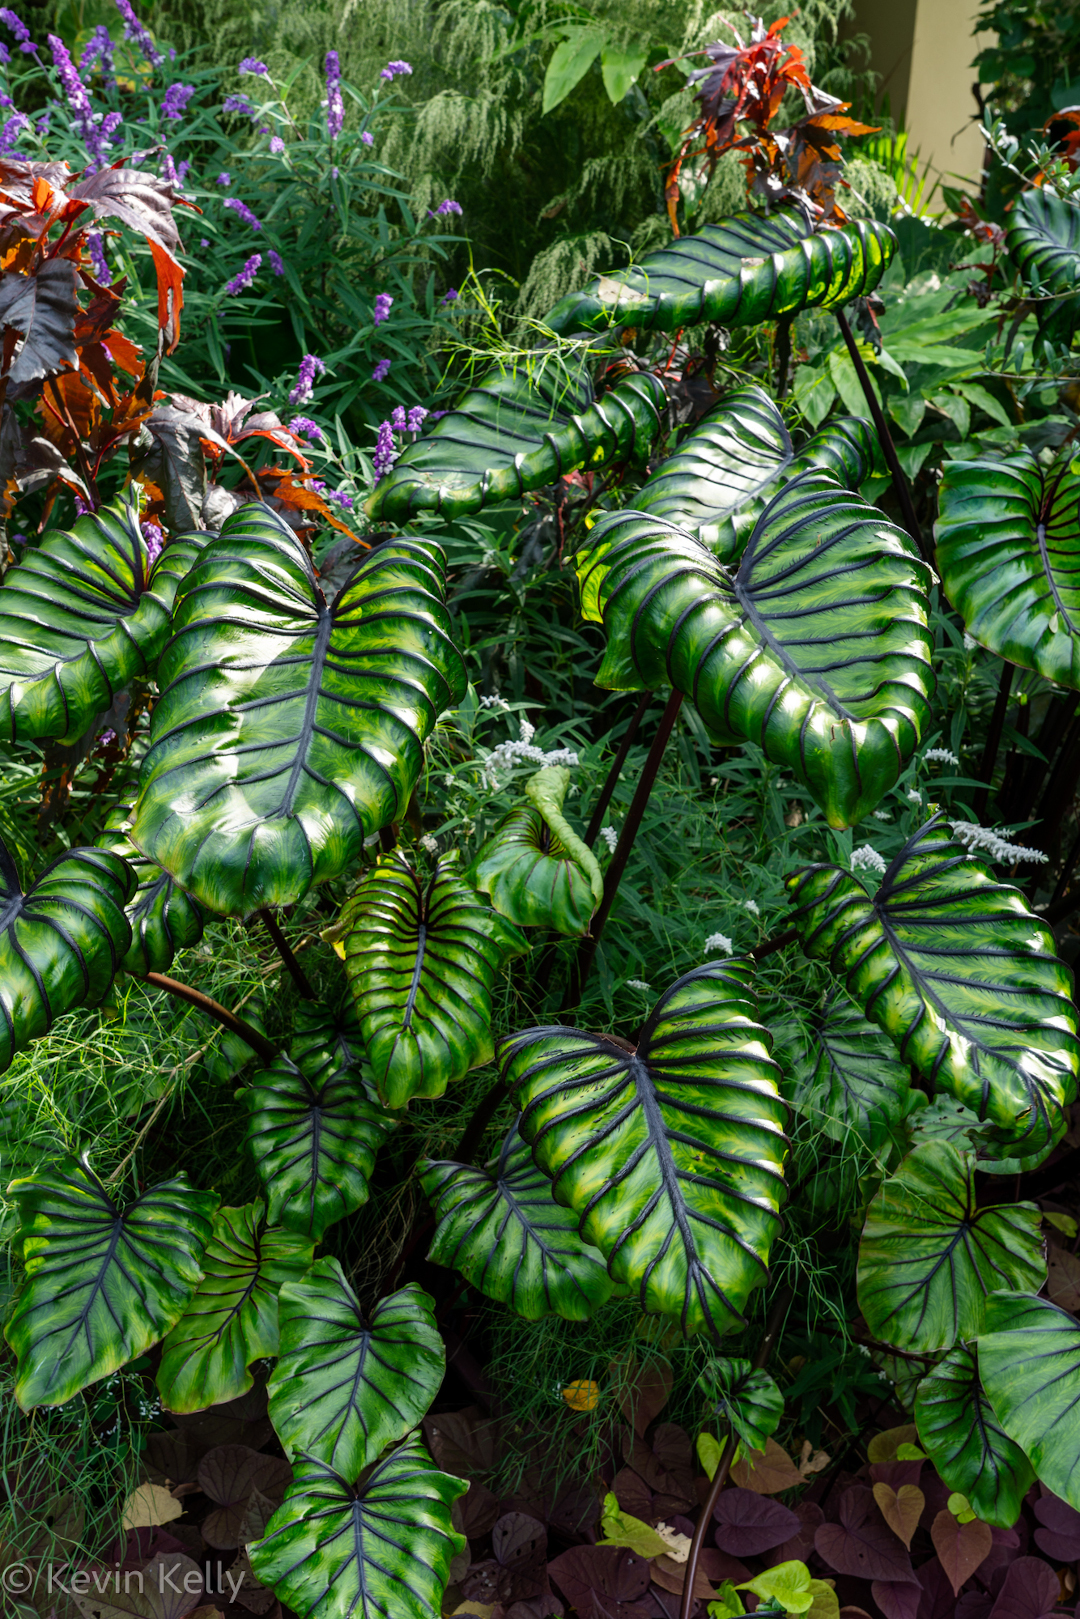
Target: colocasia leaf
{"type": "Point", "coordinates": [747, 1400]}
{"type": "Point", "coordinates": [817, 649]}
{"type": "Point", "coordinates": [1043, 241]}
{"type": "Point", "coordinates": [960, 974]}
{"type": "Point", "coordinates": [232, 1320]}
{"type": "Point", "coordinates": [82, 615]}
{"type": "Point", "coordinates": [1029, 1362]}
{"type": "Point", "coordinates": [671, 1155]}
{"type": "Point", "coordinates": [503, 1230]}
{"type": "Point", "coordinates": [288, 730]}
{"type": "Point", "coordinates": [850, 1081]}
{"type": "Point", "coordinates": [338, 1550]}
{"type": "Point", "coordinates": [739, 272]}
{"type": "Point", "coordinates": [102, 1283]}
{"type": "Point", "coordinates": [163, 918]}
{"type": "Point", "coordinates": [929, 1256]}
{"type": "Point", "coordinates": [423, 960]}
{"type": "Point", "coordinates": [346, 1386]}
{"type": "Point", "coordinates": [535, 868]}
{"type": "Point", "coordinates": [519, 430]}
{"type": "Point", "coordinates": [62, 943]}
{"type": "Point", "coordinates": [967, 1444]}
{"type": "Point", "coordinates": [1007, 539]}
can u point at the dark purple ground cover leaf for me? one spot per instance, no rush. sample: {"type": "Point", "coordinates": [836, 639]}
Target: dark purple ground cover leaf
{"type": "Point", "coordinates": [748, 1523]}
{"type": "Point", "coordinates": [898, 1599]}
{"type": "Point", "coordinates": [862, 1542]}
{"type": "Point", "coordinates": [602, 1582]}
{"type": "Point", "coordinates": [1058, 1534]}
{"type": "Point", "coordinates": [1028, 1591]}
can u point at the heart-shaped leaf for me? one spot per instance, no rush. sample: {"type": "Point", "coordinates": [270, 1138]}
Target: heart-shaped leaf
{"type": "Point", "coordinates": [345, 1386]}
{"type": "Point", "coordinates": [423, 960]}
{"type": "Point", "coordinates": [232, 1320]}
{"type": "Point", "coordinates": [62, 943]}
{"type": "Point", "coordinates": [102, 1283]}
{"type": "Point", "coordinates": [313, 1132]}
{"type": "Point", "coordinates": [744, 1398]}
{"type": "Point", "coordinates": [242, 1483]}
{"type": "Point", "coordinates": [535, 868]}
{"type": "Point", "coordinates": [503, 1230]}
{"type": "Point", "coordinates": [1030, 1590]}
{"type": "Point", "coordinates": [163, 918]}
{"type": "Point", "coordinates": [818, 648]}
{"type": "Point", "coordinates": [748, 1523]}
{"type": "Point", "coordinates": [603, 1580]}
{"type": "Point", "coordinates": [900, 1508]}
{"type": "Point", "coordinates": [738, 272]}
{"type": "Point", "coordinates": [962, 1547]}
{"type": "Point", "coordinates": [82, 615]}
{"type": "Point", "coordinates": [960, 974]}
{"type": "Point", "coordinates": [520, 429]}
{"type": "Point", "coordinates": [713, 485]}
{"type": "Point", "coordinates": [336, 1550]}
{"type": "Point", "coordinates": [862, 1544]}
{"type": "Point", "coordinates": [929, 1256]}
{"type": "Point", "coordinates": [1042, 239]}
{"type": "Point", "coordinates": [850, 1082]}
{"type": "Point", "coordinates": [1029, 1362]}
{"type": "Point", "coordinates": [1007, 536]}
{"type": "Point", "coordinates": [672, 1155]}
{"type": "Point", "coordinates": [967, 1444]}
{"type": "Point", "coordinates": [288, 730]}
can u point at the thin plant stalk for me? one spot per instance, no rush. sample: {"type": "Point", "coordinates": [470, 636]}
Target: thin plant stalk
{"type": "Point", "coordinates": [783, 355]}
{"type": "Point", "coordinates": [607, 792]}
{"type": "Point", "coordinates": [284, 950]}
{"type": "Point", "coordinates": [262, 1047]}
{"type": "Point", "coordinates": [900, 483]}
{"type": "Point", "coordinates": [993, 739]}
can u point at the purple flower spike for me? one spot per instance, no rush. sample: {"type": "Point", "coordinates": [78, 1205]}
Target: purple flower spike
{"type": "Point", "coordinates": [392, 69]}
{"type": "Point", "coordinates": [19, 29]}
{"type": "Point", "coordinates": [251, 64]}
{"type": "Point", "coordinates": [310, 368]}
{"type": "Point", "coordinates": [335, 106]}
{"type": "Point", "coordinates": [243, 278]}
{"type": "Point", "coordinates": [238, 104]}
{"type": "Point", "coordinates": [224, 178]}
{"type": "Point", "coordinates": [95, 244]}
{"type": "Point", "coordinates": [397, 418]}
{"type": "Point", "coordinates": [243, 212]}
{"type": "Point", "coordinates": [368, 138]}
{"type": "Point", "coordinates": [277, 145]}
{"type": "Point", "coordinates": [380, 371]}
{"type": "Point", "coordinates": [99, 48]}
{"type": "Point", "coordinates": [276, 262]}
{"type": "Point", "coordinates": [385, 454]}
{"type": "Point", "coordinates": [155, 540]}
{"type": "Point", "coordinates": [304, 427]}
{"type": "Point", "coordinates": [176, 99]}
{"type": "Point", "coordinates": [383, 304]}
{"type": "Point", "coordinates": [9, 134]}
{"type": "Point", "coordinates": [134, 30]}
{"type": "Point", "coordinates": [449, 207]}
{"type": "Point", "coordinates": [449, 295]}
{"type": "Point", "coordinates": [416, 419]}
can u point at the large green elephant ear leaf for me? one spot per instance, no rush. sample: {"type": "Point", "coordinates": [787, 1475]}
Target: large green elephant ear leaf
{"type": "Point", "coordinates": [288, 730]}
{"type": "Point", "coordinates": [1043, 241]}
{"type": "Point", "coordinates": [963, 1438]}
{"type": "Point", "coordinates": [962, 977]}
{"type": "Point", "coordinates": [1007, 535]}
{"type": "Point", "coordinates": [850, 1081]}
{"type": "Point", "coordinates": [1029, 1362]}
{"type": "Point", "coordinates": [535, 868]}
{"type": "Point", "coordinates": [61, 943]}
{"type": "Point", "coordinates": [818, 650]}
{"type": "Point", "coordinates": [929, 1256]}
{"type": "Point", "coordinates": [102, 1283]}
{"type": "Point", "coordinates": [232, 1319]}
{"type": "Point", "coordinates": [81, 616]}
{"type": "Point", "coordinates": [716, 483]}
{"type": "Point", "coordinates": [518, 430]}
{"type": "Point", "coordinates": [162, 917]}
{"type": "Point", "coordinates": [337, 1549]}
{"type": "Point", "coordinates": [503, 1230]}
{"type": "Point", "coordinates": [738, 272]}
{"type": "Point", "coordinates": [314, 1129]}
{"type": "Point", "coordinates": [346, 1386]}
{"type": "Point", "coordinates": [423, 960]}
{"type": "Point", "coordinates": [670, 1156]}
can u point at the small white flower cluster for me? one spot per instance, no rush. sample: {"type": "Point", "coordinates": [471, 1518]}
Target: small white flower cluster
{"type": "Point", "coordinates": [610, 837]}
{"type": "Point", "coordinates": [429, 843]}
{"type": "Point", "coordinates": [944, 756]}
{"type": "Point", "coordinates": [995, 844]}
{"type": "Point", "coordinates": [865, 858]}
{"type": "Point", "coordinates": [639, 983]}
{"type": "Point", "coordinates": [970, 642]}
{"type": "Point", "coordinates": [914, 795]}
{"type": "Point", "coordinates": [881, 815]}
{"type": "Point", "coordinates": [494, 702]}
{"type": "Point", "coordinates": [752, 906]}
{"type": "Point", "coordinates": [502, 759]}
{"type": "Point", "coordinates": [719, 941]}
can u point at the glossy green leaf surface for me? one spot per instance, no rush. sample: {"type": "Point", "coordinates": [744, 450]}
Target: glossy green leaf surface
{"type": "Point", "coordinates": [503, 1230]}
{"type": "Point", "coordinates": [848, 1079]}
{"type": "Point", "coordinates": [163, 919]}
{"type": "Point", "coordinates": [672, 1156]}
{"type": "Point", "coordinates": [818, 648]}
{"type": "Point", "coordinates": [966, 1443]}
{"type": "Point", "coordinates": [232, 1319]}
{"type": "Point", "coordinates": [747, 1400]}
{"type": "Point", "coordinates": [518, 430]}
{"type": "Point", "coordinates": [929, 1256]}
{"type": "Point", "coordinates": [61, 943]}
{"type": "Point", "coordinates": [1008, 540]}
{"type": "Point", "coordinates": [102, 1283]}
{"type": "Point", "coordinates": [314, 1131]}
{"type": "Point", "coordinates": [738, 272]}
{"type": "Point", "coordinates": [339, 1550]}
{"type": "Point", "coordinates": [714, 483]}
{"type": "Point", "coordinates": [960, 974]}
{"type": "Point", "coordinates": [346, 1386]}
{"type": "Point", "coordinates": [535, 868]}
{"type": "Point", "coordinates": [289, 729]}
{"type": "Point", "coordinates": [1042, 238]}
{"type": "Point", "coordinates": [423, 959]}
{"type": "Point", "coordinates": [1029, 1362]}
{"type": "Point", "coordinates": [81, 616]}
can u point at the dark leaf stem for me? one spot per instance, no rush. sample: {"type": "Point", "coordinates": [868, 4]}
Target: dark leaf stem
{"type": "Point", "coordinates": [779, 941]}
{"type": "Point", "coordinates": [900, 483]}
{"type": "Point", "coordinates": [284, 950]}
{"type": "Point", "coordinates": [727, 1455]}
{"type": "Point", "coordinates": [596, 821]}
{"type": "Point", "coordinates": [262, 1047]}
{"type": "Point", "coordinates": [993, 740]}
{"type": "Point", "coordinates": [783, 354]}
